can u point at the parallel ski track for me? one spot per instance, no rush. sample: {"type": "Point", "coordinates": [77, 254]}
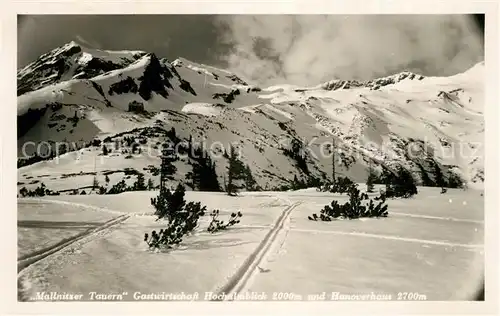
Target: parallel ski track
{"type": "Point", "coordinates": [240, 279]}
{"type": "Point", "coordinates": [25, 261]}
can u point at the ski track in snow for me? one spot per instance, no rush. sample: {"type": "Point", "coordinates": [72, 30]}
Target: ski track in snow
{"type": "Point", "coordinates": [472, 221]}
{"type": "Point", "coordinates": [28, 260]}
{"type": "Point", "coordinates": [389, 237]}
{"type": "Point", "coordinates": [36, 256]}
{"type": "Point", "coordinates": [25, 261]}
{"type": "Point", "coordinates": [249, 269]}
{"type": "Point", "coordinates": [95, 208]}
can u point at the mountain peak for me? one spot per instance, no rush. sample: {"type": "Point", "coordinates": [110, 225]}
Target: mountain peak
{"type": "Point", "coordinates": [373, 84]}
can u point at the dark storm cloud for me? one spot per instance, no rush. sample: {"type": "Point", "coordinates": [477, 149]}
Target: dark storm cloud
{"type": "Point", "coordinates": [270, 49]}
{"type": "Point", "coordinates": [309, 49]}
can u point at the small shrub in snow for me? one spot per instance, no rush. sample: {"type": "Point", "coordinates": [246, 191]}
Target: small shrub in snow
{"type": "Point", "coordinates": [182, 218]}
{"type": "Point", "coordinates": [359, 205]}
{"type": "Point", "coordinates": [40, 191]}
{"type": "Point", "coordinates": [167, 203]}
{"type": "Point", "coordinates": [96, 142]}
{"type": "Point", "coordinates": [23, 192]}
{"type": "Point", "coordinates": [341, 185]}
{"type": "Point", "coordinates": [218, 225]}
{"type": "Point", "coordinates": [324, 187]}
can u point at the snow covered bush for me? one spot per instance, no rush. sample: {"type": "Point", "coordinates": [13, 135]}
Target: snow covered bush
{"type": "Point", "coordinates": [182, 218]}
{"type": "Point", "coordinates": [218, 225]}
{"type": "Point", "coordinates": [359, 205]}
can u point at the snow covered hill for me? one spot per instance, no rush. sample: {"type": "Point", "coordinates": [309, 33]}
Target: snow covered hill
{"type": "Point", "coordinates": [74, 94]}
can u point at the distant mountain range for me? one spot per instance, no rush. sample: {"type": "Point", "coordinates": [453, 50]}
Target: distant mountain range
{"type": "Point", "coordinates": [77, 94]}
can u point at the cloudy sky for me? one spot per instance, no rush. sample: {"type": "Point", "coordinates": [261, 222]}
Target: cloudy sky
{"type": "Point", "coordinates": [296, 49]}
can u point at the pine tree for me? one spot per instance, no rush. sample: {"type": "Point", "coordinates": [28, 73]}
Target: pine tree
{"type": "Point", "coordinates": [150, 184]}
{"type": "Point", "coordinates": [167, 169]}
{"type": "Point", "coordinates": [104, 150]}
{"type": "Point", "coordinates": [168, 204]}
{"type": "Point", "coordinates": [333, 160]}
{"type": "Point", "coordinates": [426, 181]}
{"type": "Point", "coordinates": [140, 184]}
{"type": "Point", "coordinates": [400, 184]}
{"type": "Point", "coordinates": [106, 179]}
{"type": "Point", "coordinates": [102, 190]}
{"type": "Point", "coordinates": [386, 177]}
{"type": "Point", "coordinates": [118, 188]}
{"type": "Point", "coordinates": [454, 180]}
{"type": "Point", "coordinates": [295, 183]}
{"type": "Point", "coordinates": [406, 182]}
{"type": "Point", "coordinates": [23, 192]}
{"type": "Point", "coordinates": [190, 147]}
{"type": "Point", "coordinates": [250, 183]}
{"type": "Point", "coordinates": [95, 183]}
{"type": "Point", "coordinates": [438, 176]}
{"type": "Point", "coordinates": [204, 175]}
{"type": "Point", "coordinates": [370, 181]}
{"type": "Point", "coordinates": [235, 172]}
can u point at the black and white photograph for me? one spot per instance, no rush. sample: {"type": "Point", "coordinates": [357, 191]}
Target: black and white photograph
{"type": "Point", "coordinates": [254, 157]}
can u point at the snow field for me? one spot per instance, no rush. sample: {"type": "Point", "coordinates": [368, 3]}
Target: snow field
{"type": "Point", "coordinates": [426, 246]}
{"type": "Point", "coordinates": [202, 262]}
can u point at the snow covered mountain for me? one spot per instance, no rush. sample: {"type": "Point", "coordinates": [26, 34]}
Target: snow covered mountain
{"type": "Point", "coordinates": [77, 94]}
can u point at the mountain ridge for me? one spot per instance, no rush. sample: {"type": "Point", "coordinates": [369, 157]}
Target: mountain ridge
{"type": "Point", "coordinates": [204, 101]}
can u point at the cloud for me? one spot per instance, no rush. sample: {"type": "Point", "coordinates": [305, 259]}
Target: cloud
{"type": "Point", "coordinates": [90, 44]}
{"type": "Point", "coordinates": [309, 49]}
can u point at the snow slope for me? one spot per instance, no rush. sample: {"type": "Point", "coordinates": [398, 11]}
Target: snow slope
{"type": "Point", "coordinates": [431, 246]}
{"type": "Point", "coordinates": [381, 120]}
